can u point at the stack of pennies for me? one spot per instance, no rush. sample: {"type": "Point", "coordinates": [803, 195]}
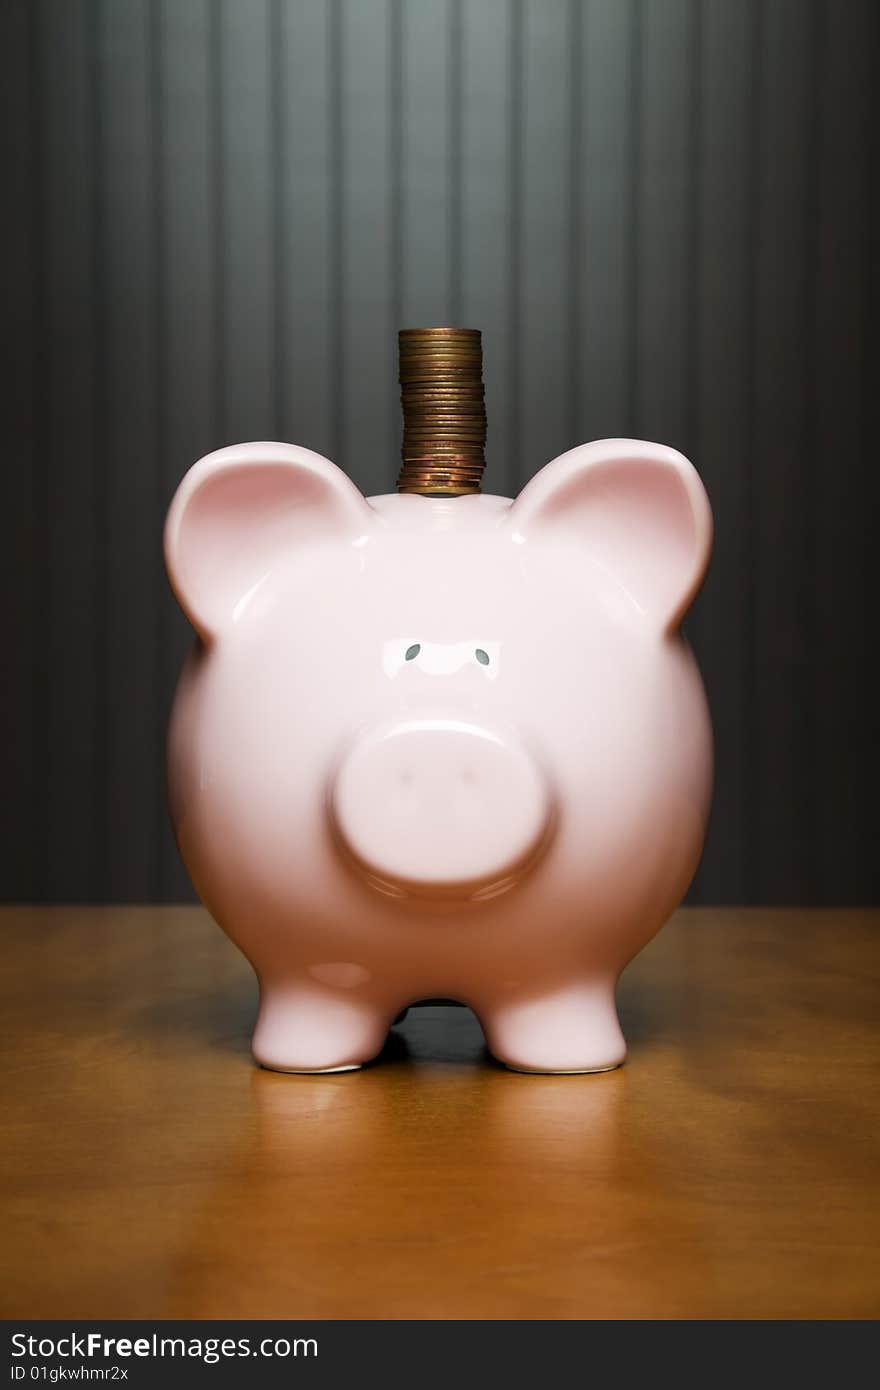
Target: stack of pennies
{"type": "Point", "coordinates": [444, 415]}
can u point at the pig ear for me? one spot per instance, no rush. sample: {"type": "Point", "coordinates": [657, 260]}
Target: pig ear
{"type": "Point", "coordinates": [240, 511]}
{"type": "Point", "coordinates": [637, 510]}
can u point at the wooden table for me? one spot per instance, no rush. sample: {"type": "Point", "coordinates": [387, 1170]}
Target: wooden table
{"type": "Point", "coordinates": [729, 1170]}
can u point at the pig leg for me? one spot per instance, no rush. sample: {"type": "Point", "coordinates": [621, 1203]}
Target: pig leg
{"type": "Point", "coordinates": [306, 1028]}
{"type": "Point", "coordinates": [570, 1029]}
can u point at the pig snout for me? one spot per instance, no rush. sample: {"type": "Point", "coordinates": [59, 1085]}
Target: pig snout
{"type": "Point", "coordinates": [439, 803]}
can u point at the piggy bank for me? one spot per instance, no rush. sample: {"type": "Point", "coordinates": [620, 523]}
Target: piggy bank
{"type": "Point", "coordinates": [439, 747]}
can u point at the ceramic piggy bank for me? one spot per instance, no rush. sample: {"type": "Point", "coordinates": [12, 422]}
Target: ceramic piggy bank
{"type": "Point", "coordinates": [439, 747]}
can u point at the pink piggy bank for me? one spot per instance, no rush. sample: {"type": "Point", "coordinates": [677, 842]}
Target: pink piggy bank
{"type": "Point", "coordinates": [439, 747]}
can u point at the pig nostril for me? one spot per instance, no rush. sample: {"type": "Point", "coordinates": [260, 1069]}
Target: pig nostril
{"type": "Point", "coordinates": [468, 777]}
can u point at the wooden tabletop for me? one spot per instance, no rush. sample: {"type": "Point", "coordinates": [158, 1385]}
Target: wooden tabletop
{"type": "Point", "coordinates": [729, 1170]}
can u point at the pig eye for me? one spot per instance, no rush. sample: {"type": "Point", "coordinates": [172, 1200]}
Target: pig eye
{"type": "Point", "coordinates": [482, 657]}
{"type": "Point", "coordinates": [413, 651]}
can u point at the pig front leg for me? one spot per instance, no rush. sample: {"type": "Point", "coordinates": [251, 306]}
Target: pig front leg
{"type": "Point", "coordinates": [570, 1029]}
{"type": "Point", "coordinates": [302, 1027]}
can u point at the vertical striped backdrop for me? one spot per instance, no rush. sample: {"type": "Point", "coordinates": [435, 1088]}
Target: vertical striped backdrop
{"type": "Point", "coordinates": [662, 214]}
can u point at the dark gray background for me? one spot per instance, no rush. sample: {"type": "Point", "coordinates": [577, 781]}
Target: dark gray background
{"type": "Point", "coordinates": [662, 214]}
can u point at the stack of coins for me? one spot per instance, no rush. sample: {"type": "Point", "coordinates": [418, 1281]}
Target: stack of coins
{"type": "Point", "coordinates": [444, 415]}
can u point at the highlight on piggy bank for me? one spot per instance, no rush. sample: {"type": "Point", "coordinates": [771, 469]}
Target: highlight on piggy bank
{"type": "Point", "coordinates": [439, 744]}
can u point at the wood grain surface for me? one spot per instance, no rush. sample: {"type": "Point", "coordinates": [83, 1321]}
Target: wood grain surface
{"type": "Point", "coordinates": [729, 1170]}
